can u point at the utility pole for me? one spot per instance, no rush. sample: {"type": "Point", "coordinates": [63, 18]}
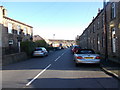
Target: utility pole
{"type": "Point", "coordinates": [53, 36]}
{"type": "Point", "coordinates": [53, 39]}
{"type": "Point", "coordinates": [105, 31]}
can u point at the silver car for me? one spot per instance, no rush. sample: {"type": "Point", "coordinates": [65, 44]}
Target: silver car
{"type": "Point", "coordinates": [86, 56]}
{"type": "Point", "coordinates": [40, 51]}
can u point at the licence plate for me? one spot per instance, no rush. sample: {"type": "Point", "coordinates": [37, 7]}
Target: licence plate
{"type": "Point", "coordinates": [37, 54]}
{"type": "Point", "coordinates": [88, 57]}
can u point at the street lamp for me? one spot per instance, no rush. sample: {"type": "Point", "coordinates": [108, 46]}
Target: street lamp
{"type": "Point", "coordinates": [53, 41]}
{"type": "Point", "coordinates": [53, 36]}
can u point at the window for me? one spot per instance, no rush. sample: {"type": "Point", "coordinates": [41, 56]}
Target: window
{"type": "Point", "coordinates": [119, 26]}
{"type": "Point", "coordinates": [98, 23]}
{"type": "Point", "coordinates": [10, 28]}
{"type": "Point", "coordinates": [91, 43]}
{"type": "Point", "coordinates": [93, 28]}
{"type": "Point", "coordinates": [103, 40]}
{"type": "Point", "coordinates": [3, 12]}
{"type": "Point", "coordinates": [113, 12]}
{"type": "Point", "coordinates": [103, 20]}
{"type": "Point", "coordinates": [85, 51]}
{"type": "Point", "coordinates": [113, 41]}
{"type": "Point", "coordinates": [38, 49]}
{"type": "Point", "coordinates": [10, 42]}
{"type": "Point", "coordinates": [77, 47]}
{"type": "Point", "coordinates": [29, 31]}
{"type": "Point", "coordinates": [18, 28]}
{"type": "Point", "coordinates": [98, 42]}
{"type": "Point", "coordinates": [25, 31]}
{"type": "Point", "coordinates": [90, 30]}
{"type": "Point", "coordinates": [94, 43]}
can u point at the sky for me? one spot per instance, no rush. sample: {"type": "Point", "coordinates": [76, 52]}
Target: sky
{"type": "Point", "coordinates": [54, 20]}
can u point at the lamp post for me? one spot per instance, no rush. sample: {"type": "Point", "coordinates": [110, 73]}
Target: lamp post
{"type": "Point", "coordinates": [53, 41]}
{"type": "Point", "coordinates": [53, 36]}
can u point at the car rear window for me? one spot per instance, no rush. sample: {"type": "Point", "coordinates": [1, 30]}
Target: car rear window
{"type": "Point", "coordinates": [38, 49]}
{"type": "Point", "coordinates": [85, 52]}
{"type": "Point", "coordinates": [78, 47]}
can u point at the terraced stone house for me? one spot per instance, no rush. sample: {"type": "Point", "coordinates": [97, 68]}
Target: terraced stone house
{"type": "Point", "coordinates": [12, 32]}
{"type": "Point", "coordinates": [103, 33]}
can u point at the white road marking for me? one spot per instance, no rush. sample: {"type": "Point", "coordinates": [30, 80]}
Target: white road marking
{"type": "Point", "coordinates": [57, 58]}
{"type": "Point", "coordinates": [38, 75]}
{"type": "Point", "coordinates": [43, 70]}
{"type": "Point", "coordinates": [63, 54]}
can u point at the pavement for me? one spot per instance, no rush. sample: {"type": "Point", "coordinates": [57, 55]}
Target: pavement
{"type": "Point", "coordinates": [111, 68]}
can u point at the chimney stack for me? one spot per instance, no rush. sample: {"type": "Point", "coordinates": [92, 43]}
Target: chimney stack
{"type": "Point", "coordinates": [99, 10]}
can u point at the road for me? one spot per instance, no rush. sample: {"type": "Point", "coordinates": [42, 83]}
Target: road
{"type": "Point", "coordinates": [57, 70]}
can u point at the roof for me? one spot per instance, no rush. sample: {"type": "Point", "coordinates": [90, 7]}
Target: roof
{"type": "Point", "coordinates": [17, 21]}
{"type": "Point", "coordinates": [59, 40]}
{"type": "Point", "coordinates": [1, 6]}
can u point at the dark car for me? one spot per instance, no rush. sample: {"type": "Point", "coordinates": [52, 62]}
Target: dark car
{"type": "Point", "coordinates": [75, 48]}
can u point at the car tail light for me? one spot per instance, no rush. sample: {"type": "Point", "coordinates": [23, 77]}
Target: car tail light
{"type": "Point", "coordinates": [79, 57]}
{"type": "Point", "coordinates": [97, 57]}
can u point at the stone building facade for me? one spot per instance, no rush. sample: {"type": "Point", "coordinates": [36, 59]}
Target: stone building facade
{"type": "Point", "coordinates": [103, 33]}
{"type": "Point", "coordinates": [12, 32]}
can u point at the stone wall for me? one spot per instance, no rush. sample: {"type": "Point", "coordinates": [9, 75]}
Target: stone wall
{"type": "Point", "coordinates": [0, 58]}
{"type": "Point", "coordinates": [12, 58]}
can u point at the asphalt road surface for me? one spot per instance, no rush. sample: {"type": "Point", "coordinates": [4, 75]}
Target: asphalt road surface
{"type": "Point", "coordinates": [57, 70]}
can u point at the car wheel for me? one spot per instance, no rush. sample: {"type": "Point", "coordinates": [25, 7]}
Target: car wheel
{"type": "Point", "coordinates": [76, 64]}
{"type": "Point", "coordinates": [98, 65]}
{"type": "Point", "coordinates": [46, 54]}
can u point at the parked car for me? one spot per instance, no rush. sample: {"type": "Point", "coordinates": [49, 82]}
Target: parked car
{"type": "Point", "coordinates": [40, 51]}
{"type": "Point", "coordinates": [57, 48]}
{"type": "Point", "coordinates": [75, 48]}
{"type": "Point", "coordinates": [86, 56]}
{"type": "Point", "coordinates": [65, 47]}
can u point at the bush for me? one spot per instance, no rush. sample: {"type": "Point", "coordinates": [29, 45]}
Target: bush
{"type": "Point", "coordinates": [28, 47]}
{"type": "Point", "coordinates": [41, 43]}
{"type": "Point", "coordinates": [49, 48]}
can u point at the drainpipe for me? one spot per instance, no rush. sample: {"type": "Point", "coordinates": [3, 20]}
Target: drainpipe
{"type": "Point", "coordinates": [105, 31]}
{"type": "Point", "coordinates": [19, 46]}
{"type": "Point", "coordinates": [87, 39]}
{"type": "Point", "coordinates": [19, 40]}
